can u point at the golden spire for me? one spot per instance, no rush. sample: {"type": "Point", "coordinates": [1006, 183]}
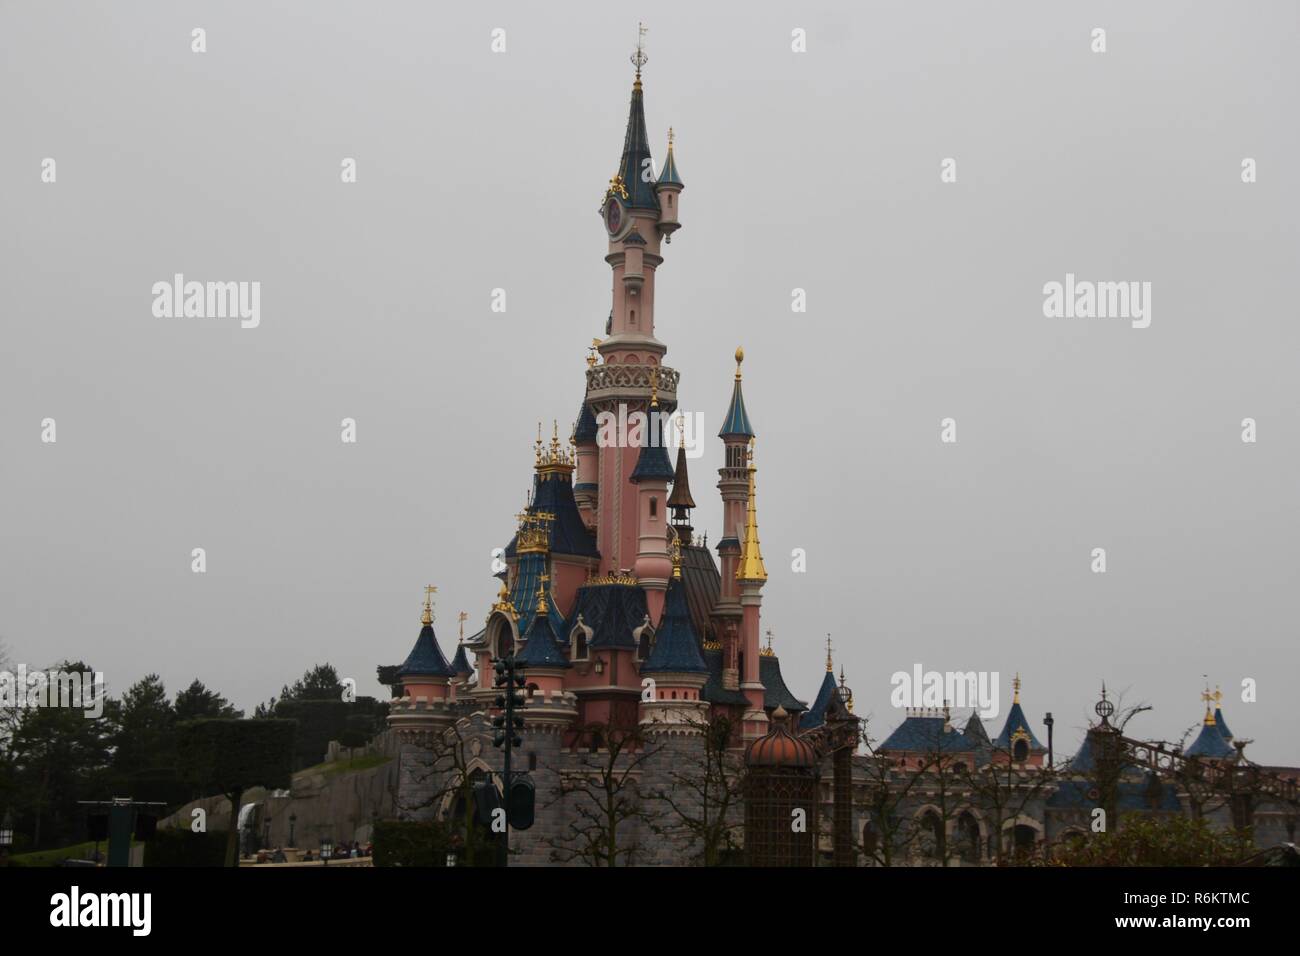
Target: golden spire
{"type": "Point", "coordinates": [829, 666]}
{"type": "Point", "coordinates": [1016, 684]}
{"type": "Point", "coordinates": [462, 618]}
{"type": "Point", "coordinates": [538, 444]}
{"type": "Point", "coordinates": [1209, 710]}
{"type": "Point", "coordinates": [427, 616]}
{"type": "Point", "coordinates": [740, 357]}
{"type": "Point", "coordinates": [751, 556]}
{"type": "Point", "coordinates": [677, 558]}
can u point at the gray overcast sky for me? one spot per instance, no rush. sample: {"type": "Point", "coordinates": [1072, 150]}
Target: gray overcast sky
{"type": "Point", "coordinates": [817, 170]}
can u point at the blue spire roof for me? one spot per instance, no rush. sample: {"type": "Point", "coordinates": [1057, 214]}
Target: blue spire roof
{"type": "Point", "coordinates": [1016, 721]}
{"type": "Point", "coordinates": [636, 150]}
{"type": "Point", "coordinates": [677, 647]}
{"type": "Point", "coordinates": [585, 431]}
{"type": "Point", "coordinates": [568, 532]}
{"type": "Point", "coordinates": [669, 176]}
{"type": "Point", "coordinates": [460, 663]}
{"type": "Point", "coordinates": [1210, 743]}
{"type": "Point", "coordinates": [542, 648]}
{"type": "Point", "coordinates": [528, 577]}
{"type": "Point", "coordinates": [816, 716]}
{"type": "Point", "coordinates": [736, 422]}
{"type": "Point", "coordinates": [653, 461]}
{"type": "Point", "coordinates": [426, 659]}
{"type": "Point", "coordinates": [1222, 725]}
{"type": "Point", "coordinates": [927, 735]}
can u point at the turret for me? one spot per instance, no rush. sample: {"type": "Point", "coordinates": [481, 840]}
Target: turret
{"type": "Point", "coordinates": [751, 576]}
{"type": "Point", "coordinates": [586, 480]}
{"type": "Point", "coordinates": [675, 663]}
{"type": "Point", "coordinates": [680, 502]}
{"type": "Point", "coordinates": [1210, 743]}
{"type": "Point", "coordinates": [425, 678]}
{"type": "Point", "coordinates": [1017, 743]}
{"type": "Point", "coordinates": [669, 189]}
{"type": "Point", "coordinates": [651, 477]}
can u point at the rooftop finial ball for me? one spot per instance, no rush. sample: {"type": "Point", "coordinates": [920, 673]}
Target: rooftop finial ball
{"type": "Point", "coordinates": [740, 355]}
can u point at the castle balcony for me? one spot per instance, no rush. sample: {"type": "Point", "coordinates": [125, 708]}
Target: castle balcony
{"type": "Point", "coordinates": [609, 384]}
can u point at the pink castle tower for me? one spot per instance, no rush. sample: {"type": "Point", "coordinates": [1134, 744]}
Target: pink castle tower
{"type": "Point", "coordinates": [631, 372]}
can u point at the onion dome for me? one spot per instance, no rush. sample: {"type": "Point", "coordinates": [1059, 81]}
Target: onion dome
{"type": "Point", "coordinates": [779, 749]}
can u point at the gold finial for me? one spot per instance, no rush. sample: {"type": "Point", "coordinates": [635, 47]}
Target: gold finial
{"type": "Point", "coordinates": [591, 353]}
{"type": "Point", "coordinates": [427, 616]}
{"type": "Point", "coordinates": [830, 668]}
{"type": "Point", "coordinates": [1209, 711]}
{"type": "Point", "coordinates": [537, 445]}
{"type": "Point", "coordinates": [1218, 696]}
{"type": "Point", "coordinates": [767, 651]}
{"type": "Point", "coordinates": [670, 139]}
{"type": "Point", "coordinates": [654, 386]}
{"type": "Point", "coordinates": [639, 59]}
{"type": "Point", "coordinates": [555, 438]}
{"type": "Point", "coordinates": [541, 594]}
{"type": "Point", "coordinates": [677, 558]}
{"type": "Point", "coordinates": [1016, 684]}
{"type": "Point", "coordinates": [740, 357]}
{"type": "Point", "coordinates": [462, 618]}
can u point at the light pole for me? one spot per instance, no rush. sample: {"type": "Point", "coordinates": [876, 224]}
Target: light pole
{"type": "Point", "coordinates": [6, 835]}
{"type": "Point", "coordinates": [326, 850]}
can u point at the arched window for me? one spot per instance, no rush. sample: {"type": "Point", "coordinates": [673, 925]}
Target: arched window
{"type": "Point", "coordinates": [1020, 751]}
{"type": "Point", "coordinates": [968, 838]}
{"type": "Point", "coordinates": [645, 643]}
{"type": "Point", "coordinates": [579, 639]}
{"type": "Point", "coordinates": [1023, 838]}
{"type": "Point", "coordinates": [931, 841]}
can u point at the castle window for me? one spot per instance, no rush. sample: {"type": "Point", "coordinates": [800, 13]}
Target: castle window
{"type": "Point", "coordinates": [1020, 752]}
{"type": "Point", "coordinates": [654, 507]}
{"type": "Point", "coordinates": [580, 651]}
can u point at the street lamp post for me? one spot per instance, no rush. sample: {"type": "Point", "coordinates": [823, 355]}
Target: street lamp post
{"type": "Point", "coordinates": [326, 850]}
{"type": "Point", "coordinates": [293, 819]}
{"type": "Point", "coordinates": [6, 835]}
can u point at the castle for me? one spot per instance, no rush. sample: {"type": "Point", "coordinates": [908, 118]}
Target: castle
{"type": "Point", "coordinates": [640, 646]}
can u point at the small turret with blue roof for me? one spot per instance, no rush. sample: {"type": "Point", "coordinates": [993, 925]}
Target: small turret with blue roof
{"type": "Point", "coordinates": [735, 424]}
{"type": "Point", "coordinates": [1210, 743]}
{"type": "Point", "coordinates": [669, 189]}
{"type": "Point", "coordinates": [1017, 742]}
{"type": "Point", "coordinates": [425, 674]}
{"type": "Point", "coordinates": [676, 647]}
{"type": "Point", "coordinates": [541, 646]}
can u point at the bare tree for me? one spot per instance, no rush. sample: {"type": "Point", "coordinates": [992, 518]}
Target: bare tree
{"type": "Point", "coordinates": [601, 797]}
{"type": "Point", "coordinates": [703, 794]}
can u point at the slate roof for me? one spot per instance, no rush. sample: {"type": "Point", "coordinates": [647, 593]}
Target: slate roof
{"type": "Point", "coordinates": [541, 645]}
{"type": "Point", "coordinates": [926, 735]}
{"type": "Point", "coordinates": [816, 715]}
{"type": "Point", "coordinates": [612, 611]}
{"type": "Point", "coordinates": [669, 175]}
{"type": "Point", "coordinates": [736, 422]}
{"type": "Point", "coordinates": [460, 663]}
{"type": "Point", "coordinates": [1130, 796]}
{"type": "Point", "coordinates": [636, 150]}
{"type": "Point", "coordinates": [713, 691]}
{"type": "Point", "coordinates": [653, 461]}
{"type": "Point", "coordinates": [676, 647]}
{"type": "Point", "coordinates": [1210, 743]}
{"type": "Point", "coordinates": [426, 658]}
{"type": "Point", "coordinates": [681, 496]}
{"type": "Point", "coordinates": [974, 731]}
{"type": "Point", "coordinates": [585, 429]}
{"type": "Point", "coordinates": [1016, 721]}
{"type": "Point", "coordinates": [775, 692]}
{"type": "Point", "coordinates": [528, 577]}
{"type": "Point", "coordinates": [1222, 725]}
{"type": "Point", "coordinates": [568, 533]}
{"type": "Point", "coordinates": [703, 585]}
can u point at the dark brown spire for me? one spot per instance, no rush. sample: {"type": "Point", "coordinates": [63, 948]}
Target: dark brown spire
{"type": "Point", "coordinates": [681, 499]}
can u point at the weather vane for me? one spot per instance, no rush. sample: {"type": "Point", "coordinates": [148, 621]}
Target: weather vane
{"type": "Point", "coordinates": [639, 58]}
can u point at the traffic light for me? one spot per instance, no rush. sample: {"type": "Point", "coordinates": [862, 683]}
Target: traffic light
{"type": "Point", "coordinates": [510, 679]}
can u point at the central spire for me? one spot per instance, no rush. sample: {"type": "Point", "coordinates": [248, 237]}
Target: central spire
{"type": "Point", "coordinates": [636, 169]}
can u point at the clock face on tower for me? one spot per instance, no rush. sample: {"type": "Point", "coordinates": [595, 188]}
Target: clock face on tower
{"type": "Point", "coordinates": [613, 215]}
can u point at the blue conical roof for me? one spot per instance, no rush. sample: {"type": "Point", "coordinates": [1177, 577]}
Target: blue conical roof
{"type": "Point", "coordinates": [542, 648]}
{"type": "Point", "coordinates": [816, 716]}
{"type": "Point", "coordinates": [669, 176]}
{"type": "Point", "coordinates": [653, 461]}
{"type": "Point", "coordinates": [636, 152]}
{"type": "Point", "coordinates": [1210, 743]}
{"type": "Point", "coordinates": [1016, 721]}
{"type": "Point", "coordinates": [460, 663]}
{"type": "Point", "coordinates": [426, 658]}
{"type": "Point", "coordinates": [585, 431]}
{"type": "Point", "coordinates": [677, 647]}
{"type": "Point", "coordinates": [1222, 725]}
{"type": "Point", "coordinates": [736, 422]}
